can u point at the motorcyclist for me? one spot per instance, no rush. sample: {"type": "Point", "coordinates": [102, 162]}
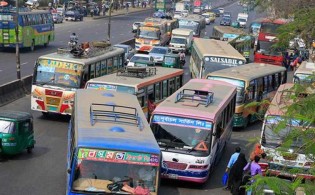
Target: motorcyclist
{"type": "Point", "coordinates": [74, 38]}
{"type": "Point", "coordinates": [182, 57]}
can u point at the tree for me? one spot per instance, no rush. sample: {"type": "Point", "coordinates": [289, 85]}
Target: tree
{"type": "Point", "coordinates": [298, 105]}
{"type": "Point", "coordinates": [302, 13]}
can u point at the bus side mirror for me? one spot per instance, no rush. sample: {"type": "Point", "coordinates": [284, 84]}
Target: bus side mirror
{"type": "Point", "coordinates": [68, 170]}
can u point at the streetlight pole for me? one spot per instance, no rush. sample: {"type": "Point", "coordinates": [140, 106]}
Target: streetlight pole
{"type": "Point", "coordinates": [17, 49]}
{"type": "Point", "coordinates": [109, 19]}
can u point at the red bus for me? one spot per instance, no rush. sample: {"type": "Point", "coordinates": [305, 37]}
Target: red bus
{"type": "Point", "coordinates": [265, 53]}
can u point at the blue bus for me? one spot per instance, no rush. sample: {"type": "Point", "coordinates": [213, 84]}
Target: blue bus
{"type": "Point", "coordinates": [111, 148]}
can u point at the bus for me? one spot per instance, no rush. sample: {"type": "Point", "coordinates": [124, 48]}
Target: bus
{"type": "Point", "coordinates": [255, 83]}
{"type": "Point", "coordinates": [239, 39]}
{"type": "Point", "coordinates": [282, 164]}
{"type": "Point", "coordinates": [209, 55]}
{"type": "Point", "coordinates": [160, 83]}
{"type": "Point", "coordinates": [194, 22]}
{"type": "Point", "coordinates": [111, 148]}
{"type": "Point", "coordinates": [163, 5]}
{"type": "Point", "coordinates": [35, 28]}
{"type": "Point", "coordinates": [304, 74]}
{"type": "Point", "coordinates": [57, 76]}
{"type": "Point", "coordinates": [267, 37]}
{"type": "Point", "coordinates": [192, 126]}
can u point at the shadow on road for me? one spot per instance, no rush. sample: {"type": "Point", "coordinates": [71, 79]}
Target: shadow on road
{"type": "Point", "coordinates": [36, 152]}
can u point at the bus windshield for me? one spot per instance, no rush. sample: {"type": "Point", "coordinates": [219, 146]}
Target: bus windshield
{"type": "Point", "coordinates": [214, 63]}
{"type": "Point", "coordinates": [273, 138]}
{"type": "Point", "coordinates": [178, 40]}
{"type": "Point", "coordinates": [57, 73]}
{"type": "Point", "coordinates": [182, 138]}
{"type": "Point", "coordinates": [238, 83]}
{"type": "Point", "coordinates": [265, 48]}
{"type": "Point", "coordinates": [303, 78]}
{"type": "Point", "coordinates": [118, 88]}
{"type": "Point", "coordinates": [94, 172]}
{"type": "Point", "coordinates": [148, 34]}
{"type": "Point", "coordinates": [192, 25]}
{"type": "Point", "coordinates": [269, 28]}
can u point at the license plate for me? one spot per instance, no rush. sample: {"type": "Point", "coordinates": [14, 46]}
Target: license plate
{"type": "Point", "coordinates": [51, 108]}
{"type": "Point", "coordinates": [172, 176]}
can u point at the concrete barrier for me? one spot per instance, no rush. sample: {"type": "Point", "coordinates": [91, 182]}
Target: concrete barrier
{"type": "Point", "coordinates": [11, 91]}
{"type": "Point", "coordinates": [130, 42]}
{"type": "Point", "coordinates": [27, 83]}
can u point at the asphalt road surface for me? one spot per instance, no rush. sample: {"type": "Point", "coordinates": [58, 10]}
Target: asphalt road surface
{"type": "Point", "coordinates": [44, 171]}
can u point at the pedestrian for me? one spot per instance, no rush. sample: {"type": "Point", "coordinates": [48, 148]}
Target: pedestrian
{"type": "Point", "coordinates": [254, 169]}
{"type": "Point", "coordinates": [236, 174]}
{"type": "Point", "coordinates": [257, 152]}
{"type": "Point", "coordinates": [127, 8]}
{"type": "Point", "coordinates": [232, 160]}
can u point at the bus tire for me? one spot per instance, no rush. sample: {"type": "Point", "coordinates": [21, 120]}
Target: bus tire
{"type": "Point", "coordinates": [46, 44]}
{"type": "Point", "coordinates": [32, 48]}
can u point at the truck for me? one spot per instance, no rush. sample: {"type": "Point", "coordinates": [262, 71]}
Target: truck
{"type": "Point", "coordinates": [242, 19]}
{"type": "Point", "coordinates": [181, 39]}
{"type": "Point", "coordinates": [179, 7]}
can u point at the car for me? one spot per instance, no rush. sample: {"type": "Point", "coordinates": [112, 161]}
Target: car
{"type": "Point", "coordinates": [158, 52]}
{"type": "Point", "coordinates": [129, 51]}
{"type": "Point", "coordinates": [61, 11]}
{"type": "Point", "coordinates": [226, 21]}
{"type": "Point", "coordinates": [73, 15]}
{"type": "Point", "coordinates": [216, 12]}
{"type": "Point", "coordinates": [185, 13]}
{"type": "Point", "coordinates": [177, 14]}
{"type": "Point", "coordinates": [57, 18]}
{"type": "Point", "coordinates": [221, 9]}
{"type": "Point", "coordinates": [207, 17]}
{"type": "Point", "coordinates": [227, 14]}
{"type": "Point", "coordinates": [140, 60]}
{"type": "Point", "coordinates": [135, 26]}
{"type": "Point", "coordinates": [242, 22]}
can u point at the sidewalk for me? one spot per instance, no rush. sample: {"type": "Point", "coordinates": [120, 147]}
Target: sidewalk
{"type": "Point", "coordinates": [121, 12]}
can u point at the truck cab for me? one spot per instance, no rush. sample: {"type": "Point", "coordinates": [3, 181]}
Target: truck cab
{"type": "Point", "coordinates": [242, 19]}
{"type": "Point", "coordinates": [181, 39]}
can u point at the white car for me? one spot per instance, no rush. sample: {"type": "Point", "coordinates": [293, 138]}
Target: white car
{"type": "Point", "coordinates": [158, 52]}
{"type": "Point", "coordinates": [207, 17]}
{"type": "Point", "coordinates": [135, 26]}
{"type": "Point", "coordinates": [177, 14]}
{"type": "Point", "coordinates": [221, 9]}
{"type": "Point", "coordinates": [185, 13]}
{"type": "Point", "coordinates": [140, 60]}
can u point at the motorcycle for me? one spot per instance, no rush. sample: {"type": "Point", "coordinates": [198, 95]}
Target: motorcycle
{"type": "Point", "coordinates": [72, 44]}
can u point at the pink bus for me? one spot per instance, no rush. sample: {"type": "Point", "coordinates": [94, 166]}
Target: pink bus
{"type": "Point", "coordinates": [192, 127]}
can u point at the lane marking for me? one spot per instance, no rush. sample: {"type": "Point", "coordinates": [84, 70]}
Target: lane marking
{"type": "Point", "coordinates": [24, 63]}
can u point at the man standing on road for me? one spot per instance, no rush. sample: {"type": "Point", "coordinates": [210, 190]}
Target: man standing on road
{"type": "Point", "coordinates": [230, 164]}
{"type": "Point", "coordinates": [127, 8]}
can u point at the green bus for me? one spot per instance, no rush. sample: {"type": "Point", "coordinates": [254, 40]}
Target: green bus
{"type": "Point", "coordinates": [163, 5]}
{"type": "Point", "coordinates": [35, 28]}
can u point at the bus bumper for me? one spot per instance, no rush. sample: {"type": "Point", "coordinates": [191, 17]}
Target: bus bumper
{"type": "Point", "coordinates": [185, 175]}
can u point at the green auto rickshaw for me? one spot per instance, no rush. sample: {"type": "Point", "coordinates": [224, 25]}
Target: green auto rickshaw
{"type": "Point", "coordinates": [171, 61]}
{"type": "Point", "coordinates": [16, 132]}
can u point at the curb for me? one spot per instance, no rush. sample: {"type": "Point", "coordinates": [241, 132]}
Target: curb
{"type": "Point", "coordinates": [100, 17]}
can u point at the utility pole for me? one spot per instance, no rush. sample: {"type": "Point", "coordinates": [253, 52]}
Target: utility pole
{"type": "Point", "coordinates": [17, 49]}
{"type": "Point", "coordinates": [109, 19]}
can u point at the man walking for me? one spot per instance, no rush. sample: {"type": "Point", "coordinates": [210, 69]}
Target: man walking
{"type": "Point", "coordinates": [230, 164]}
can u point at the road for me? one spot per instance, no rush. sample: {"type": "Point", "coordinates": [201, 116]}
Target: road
{"type": "Point", "coordinates": [44, 171]}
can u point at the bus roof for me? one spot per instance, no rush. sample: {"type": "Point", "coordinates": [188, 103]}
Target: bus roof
{"type": "Point", "coordinates": [67, 57]}
{"type": "Point", "coordinates": [162, 73]}
{"type": "Point", "coordinates": [109, 134]}
{"type": "Point", "coordinates": [223, 92]}
{"type": "Point", "coordinates": [182, 31]}
{"type": "Point", "coordinates": [192, 17]}
{"type": "Point", "coordinates": [281, 100]}
{"type": "Point", "coordinates": [306, 68]}
{"type": "Point", "coordinates": [248, 72]}
{"type": "Point", "coordinates": [212, 47]}
{"type": "Point", "coordinates": [229, 30]}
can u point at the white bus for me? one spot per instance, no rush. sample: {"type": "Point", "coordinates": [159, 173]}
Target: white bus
{"type": "Point", "coordinates": [209, 55]}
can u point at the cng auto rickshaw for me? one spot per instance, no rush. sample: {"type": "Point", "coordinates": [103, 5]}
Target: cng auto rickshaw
{"type": "Point", "coordinates": [171, 61]}
{"type": "Point", "coordinates": [16, 132]}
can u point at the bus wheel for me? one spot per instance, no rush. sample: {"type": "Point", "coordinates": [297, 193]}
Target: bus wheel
{"type": "Point", "coordinates": [46, 44]}
{"type": "Point", "coordinates": [32, 48]}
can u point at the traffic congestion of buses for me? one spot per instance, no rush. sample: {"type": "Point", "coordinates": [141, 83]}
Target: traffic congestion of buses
{"type": "Point", "coordinates": [134, 121]}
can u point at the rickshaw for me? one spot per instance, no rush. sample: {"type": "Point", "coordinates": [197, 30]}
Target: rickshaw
{"type": "Point", "coordinates": [16, 132]}
{"type": "Point", "coordinates": [171, 61]}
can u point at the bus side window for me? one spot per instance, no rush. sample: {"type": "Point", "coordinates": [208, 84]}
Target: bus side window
{"type": "Point", "coordinates": [103, 67]}
{"type": "Point", "coordinates": [171, 88]}
{"type": "Point", "coordinates": [157, 91]}
{"type": "Point", "coordinates": [92, 71]}
{"type": "Point", "coordinates": [164, 89]}
{"type": "Point", "coordinates": [98, 69]}
{"type": "Point", "coordinates": [141, 101]}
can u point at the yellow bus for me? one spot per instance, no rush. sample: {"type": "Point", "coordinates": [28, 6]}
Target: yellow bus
{"type": "Point", "coordinates": [304, 73]}
{"type": "Point", "coordinates": [238, 38]}
{"type": "Point", "coordinates": [57, 76]}
{"type": "Point", "coordinates": [158, 84]}
{"type": "Point", "coordinates": [255, 82]}
{"type": "Point", "coordinates": [209, 55]}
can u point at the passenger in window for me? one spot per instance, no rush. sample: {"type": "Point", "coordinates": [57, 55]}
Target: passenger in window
{"type": "Point", "coordinates": [151, 105]}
